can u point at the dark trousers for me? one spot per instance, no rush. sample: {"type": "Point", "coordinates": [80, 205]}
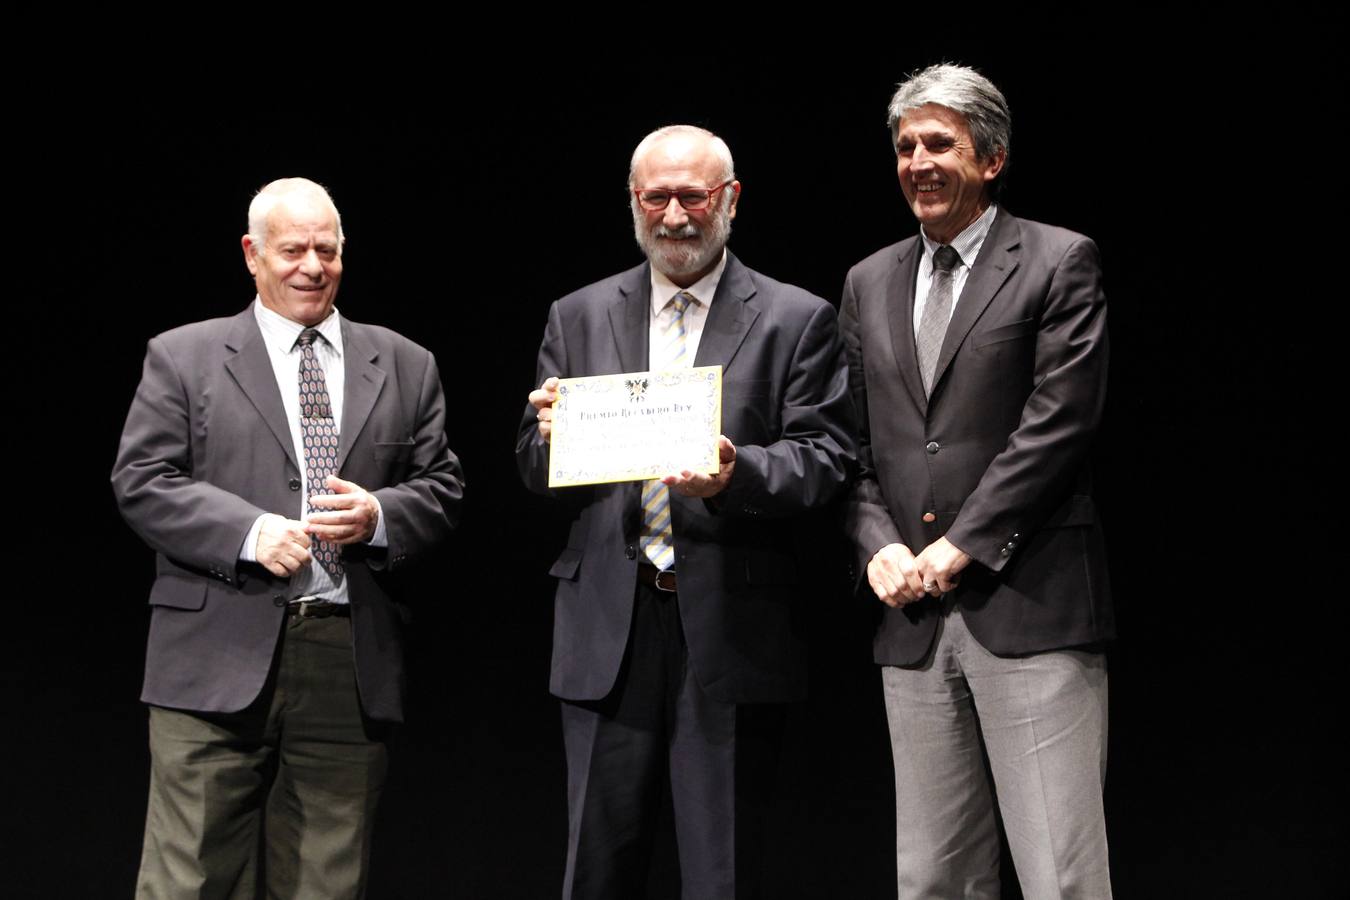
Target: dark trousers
{"type": "Point", "coordinates": [277, 800]}
{"type": "Point", "coordinates": [720, 759]}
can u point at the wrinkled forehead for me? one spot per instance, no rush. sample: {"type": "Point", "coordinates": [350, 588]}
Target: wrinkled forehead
{"type": "Point", "coordinates": [932, 118]}
{"type": "Point", "coordinates": [679, 160]}
{"type": "Point", "coordinates": [303, 212]}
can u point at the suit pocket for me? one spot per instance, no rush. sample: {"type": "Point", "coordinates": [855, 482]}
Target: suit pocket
{"type": "Point", "coordinates": [178, 593]}
{"type": "Point", "coordinates": [1010, 332]}
{"type": "Point", "coordinates": [567, 565]}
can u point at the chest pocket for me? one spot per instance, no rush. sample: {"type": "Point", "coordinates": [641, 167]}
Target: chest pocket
{"type": "Point", "coordinates": [1009, 332]}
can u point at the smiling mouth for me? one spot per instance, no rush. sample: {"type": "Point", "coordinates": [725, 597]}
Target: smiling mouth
{"type": "Point", "coordinates": [308, 288]}
{"type": "Point", "coordinates": [927, 188]}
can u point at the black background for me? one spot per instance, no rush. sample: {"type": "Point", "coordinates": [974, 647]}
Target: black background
{"type": "Point", "coordinates": [475, 193]}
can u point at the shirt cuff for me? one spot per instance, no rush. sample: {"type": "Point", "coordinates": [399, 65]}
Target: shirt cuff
{"type": "Point", "coordinates": [249, 551]}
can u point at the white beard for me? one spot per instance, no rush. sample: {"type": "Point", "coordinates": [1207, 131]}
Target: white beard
{"type": "Point", "coordinates": [699, 249]}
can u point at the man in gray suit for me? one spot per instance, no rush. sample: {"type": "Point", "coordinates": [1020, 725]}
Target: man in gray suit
{"type": "Point", "coordinates": [677, 632]}
{"type": "Point", "coordinates": [284, 464]}
{"type": "Point", "coordinates": [977, 356]}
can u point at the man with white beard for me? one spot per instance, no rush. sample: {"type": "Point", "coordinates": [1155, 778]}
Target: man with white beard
{"type": "Point", "coordinates": [676, 629]}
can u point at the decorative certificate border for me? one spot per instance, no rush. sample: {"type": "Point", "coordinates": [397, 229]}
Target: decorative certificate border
{"type": "Point", "coordinates": [635, 426]}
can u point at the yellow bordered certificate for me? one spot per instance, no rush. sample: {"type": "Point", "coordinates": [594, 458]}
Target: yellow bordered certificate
{"type": "Point", "coordinates": [635, 426]}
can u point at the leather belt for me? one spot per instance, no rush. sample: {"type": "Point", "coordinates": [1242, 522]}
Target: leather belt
{"type": "Point", "coordinates": [661, 579]}
{"type": "Point", "coordinates": [318, 609]}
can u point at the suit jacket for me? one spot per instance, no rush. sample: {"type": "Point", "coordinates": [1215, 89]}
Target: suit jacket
{"type": "Point", "coordinates": [207, 449]}
{"type": "Point", "coordinates": [785, 405]}
{"type": "Point", "coordinates": [997, 456]}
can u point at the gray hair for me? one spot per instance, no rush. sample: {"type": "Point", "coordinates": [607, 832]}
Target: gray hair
{"type": "Point", "coordinates": [272, 193]}
{"type": "Point", "coordinates": [965, 91]}
{"type": "Point", "coordinates": [719, 147]}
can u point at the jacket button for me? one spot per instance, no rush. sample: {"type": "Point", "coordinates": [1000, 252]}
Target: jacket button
{"type": "Point", "coordinates": [1005, 553]}
{"type": "Point", "coordinates": [932, 447]}
{"type": "Point", "coordinates": [279, 600]}
{"type": "Point", "coordinates": [630, 552]}
{"type": "Point", "coordinates": [294, 484]}
{"type": "Point", "coordinates": [929, 517]}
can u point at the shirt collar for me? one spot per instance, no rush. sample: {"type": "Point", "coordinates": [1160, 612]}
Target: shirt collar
{"type": "Point", "coordinates": [967, 244]}
{"type": "Point", "coordinates": [703, 290]}
{"type": "Point", "coordinates": [281, 333]}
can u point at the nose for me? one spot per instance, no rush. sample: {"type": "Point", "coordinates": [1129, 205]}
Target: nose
{"type": "Point", "coordinates": [675, 215]}
{"type": "Point", "coordinates": [311, 265]}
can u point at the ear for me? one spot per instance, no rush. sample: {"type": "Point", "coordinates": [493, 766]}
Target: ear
{"type": "Point", "coordinates": [735, 188]}
{"type": "Point", "coordinates": [994, 164]}
{"type": "Point", "coordinates": [250, 253]}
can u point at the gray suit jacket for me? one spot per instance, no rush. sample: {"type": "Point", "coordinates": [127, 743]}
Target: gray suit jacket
{"type": "Point", "coordinates": [785, 406]}
{"type": "Point", "coordinates": [997, 456]}
{"type": "Point", "coordinates": [207, 449]}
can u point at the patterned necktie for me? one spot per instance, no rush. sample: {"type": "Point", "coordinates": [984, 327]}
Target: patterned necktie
{"type": "Point", "coordinates": [320, 438]}
{"type": "Point", "coordinates": [937, 312]}
{"type": "Point", "coordinates": [657, 540]}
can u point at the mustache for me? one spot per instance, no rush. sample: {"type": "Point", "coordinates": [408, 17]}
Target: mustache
{"type": "Point", "coordinates": [687, 230]}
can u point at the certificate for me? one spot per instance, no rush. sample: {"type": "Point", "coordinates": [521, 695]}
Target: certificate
{"type": "Point", "coordinates": [635, 426]}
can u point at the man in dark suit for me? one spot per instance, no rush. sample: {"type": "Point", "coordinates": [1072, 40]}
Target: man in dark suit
{"type": "Point", "coordinates": [284, 464]}
{"type": "Point", "coordinates": [977, 356]}
{"type": "Point", "coordinates": [675, 615]}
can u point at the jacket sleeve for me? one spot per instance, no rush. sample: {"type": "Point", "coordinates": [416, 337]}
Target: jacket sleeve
{"type": "Point", "coordinates": [193, 522]}
{"type": "Point", "coordinates": [1050, 444]}
{"type": "Point", "coordinates": [867, 520]}
{"type": "Point", "coordinates": [813, 458]}
{"type": "Point", "coordinates": [420, 511]}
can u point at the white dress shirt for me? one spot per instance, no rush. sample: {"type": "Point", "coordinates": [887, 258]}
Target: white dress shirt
{"type": "Point", "coordinates": [967, 245]}
{"type": "Point", "coordinates": [279, 335]}
{"type": "Point", "coordinates": [663, 291]}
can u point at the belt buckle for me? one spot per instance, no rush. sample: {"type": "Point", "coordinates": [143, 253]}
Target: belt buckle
{"type": "Point", "coordinates": [306, 607]}
{"type": "Point", "coordinates": [665, 581]}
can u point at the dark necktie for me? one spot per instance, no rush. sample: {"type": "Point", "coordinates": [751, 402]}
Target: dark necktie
{"type": "Point", "coordinates": [319, 435]}
{"type": "Point", "coordinates": [937, 312]}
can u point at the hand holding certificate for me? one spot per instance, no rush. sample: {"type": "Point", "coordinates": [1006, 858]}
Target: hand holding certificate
{"type": "Point", "coordinates": [637, 426]}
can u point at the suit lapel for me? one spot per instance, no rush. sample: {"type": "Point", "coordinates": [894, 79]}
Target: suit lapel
{"type": "Point", "coordinates": [630, 319]}
{"type": "Point", "coordinates": [996, 262]}
{"type": "Point", "coordinates": [900, 312]}
{"type": "Point", "coordinates": [361, 386]}
{"type": "Point", "coordinates": [251, 369]}
{"type": "Point", "coordinates": [729, 317]}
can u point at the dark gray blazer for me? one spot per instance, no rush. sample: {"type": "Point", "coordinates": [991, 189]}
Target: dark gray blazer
{"type": "Point", "coordinates": [998, 454]}
{"type": "Point", "coordinates": [207, 449]}
{"type": "Point", "coordinates": [785, 406]}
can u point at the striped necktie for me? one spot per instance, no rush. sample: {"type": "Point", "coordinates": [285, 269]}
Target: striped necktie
{"type": "Point", "coordinates": [657, 540]}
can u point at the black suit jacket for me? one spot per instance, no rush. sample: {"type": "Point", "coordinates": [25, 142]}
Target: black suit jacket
{"type": "Point", "coordinates": [998, 453]}
{"type": "Point", "coordinates": [785, 406]}
{"type": "Point", "coordinates": [207, 449]}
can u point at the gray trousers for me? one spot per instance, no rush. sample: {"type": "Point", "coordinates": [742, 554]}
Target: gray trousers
{"type": "Point", "coordinates": [1037, 725]}
{"type": "Point", "coordinates": [277, 800]}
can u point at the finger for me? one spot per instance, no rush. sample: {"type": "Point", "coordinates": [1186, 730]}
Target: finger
{"type": "Point", "coordinates": [335, 501]}
{"type": "Point", "coordinates": [881, 586]}
{"type": "Point", "coordinates": [276, 568]}
{"type": "Point", "coordinates": [341, 486]}
{"type": "Point", "coordinates": [336, 517]}
{"type": "Point", "coordinates": [336, 534]}
{"type": "Point", "coordinates": [726, 451]}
